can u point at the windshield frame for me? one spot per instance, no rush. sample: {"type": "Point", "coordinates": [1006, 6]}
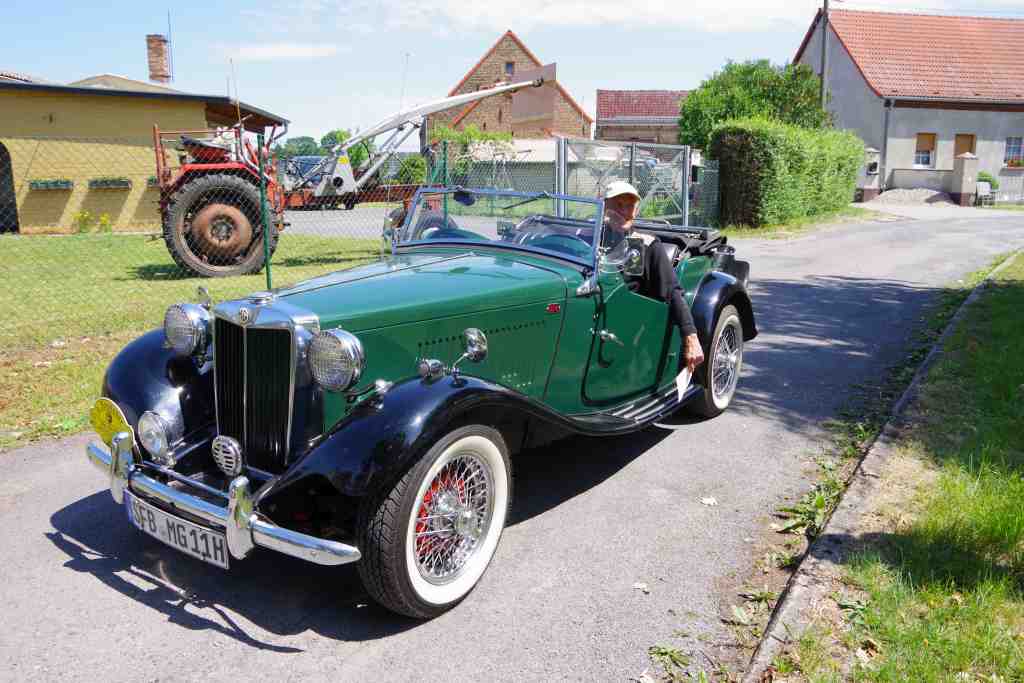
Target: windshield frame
{"type": "Point", "coordinates": [590, 263]}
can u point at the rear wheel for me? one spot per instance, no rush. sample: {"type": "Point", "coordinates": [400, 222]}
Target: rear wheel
{"type": "Point", "coordinates": [427, 541]}
{"type": "Point", "coordinates": [720, 371]}
{"type": "Point", "coordinates": [211, 227]}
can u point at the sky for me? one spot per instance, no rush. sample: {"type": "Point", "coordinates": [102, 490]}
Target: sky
{"type": "Point", "coordinates": [326, 64]}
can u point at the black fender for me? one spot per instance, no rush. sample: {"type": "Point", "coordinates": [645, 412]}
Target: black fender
{"type": "Point", "coordinates": [373, 445]}
{"type": "Point", "coordinates": [717, 290]}
{"type": "Point", "coordinates": [146, 375]}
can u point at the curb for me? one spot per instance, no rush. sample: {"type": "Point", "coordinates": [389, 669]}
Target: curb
{"type": "Point", "coordinates": [826, 549]}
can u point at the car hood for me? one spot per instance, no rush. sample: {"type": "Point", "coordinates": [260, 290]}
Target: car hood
{"type": "Point", "coordinates": [423, 286]}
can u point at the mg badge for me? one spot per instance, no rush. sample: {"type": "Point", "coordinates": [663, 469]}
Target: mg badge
{"type": "Point", "coordinates": [244, 316]}
{"type": "Point", "coordinates": [227, 453]}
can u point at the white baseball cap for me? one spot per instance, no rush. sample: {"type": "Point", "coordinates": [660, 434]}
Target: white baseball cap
{"type": "Point", "coordinates": [618, 187]}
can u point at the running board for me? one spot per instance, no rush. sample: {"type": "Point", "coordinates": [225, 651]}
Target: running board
{"type": "Point", "coordinates": [636, 414]}
{"type": "Point", "coordinates": [652, 407]}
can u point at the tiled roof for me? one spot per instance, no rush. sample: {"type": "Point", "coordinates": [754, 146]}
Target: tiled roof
{"type": "Point", "coordinates": [19, 77]}
{"type": "Point", "coordinates": [613, 104]}
{"type": "Point", "coordinates": [933, 56]}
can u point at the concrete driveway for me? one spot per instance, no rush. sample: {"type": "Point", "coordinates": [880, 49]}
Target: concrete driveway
{"type": "Point", "coordinates": [85, 597]}
{"type": "Point", "coordinates": [940, 211]}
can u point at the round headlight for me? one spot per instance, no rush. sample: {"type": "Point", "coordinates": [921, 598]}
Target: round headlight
{"type": "Point", "coordinates": [153, 435]}
{"type": "Point", "coordinates": [185, 326]}
{"type": "Point", "coordinates": [336, 359]}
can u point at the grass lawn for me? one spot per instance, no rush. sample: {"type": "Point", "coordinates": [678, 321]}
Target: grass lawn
{"type": "Point", "coordinates": [802, 226]}
{"type": "Point", "coordinates": [72, 302]}
{"type": "Point", "coordinates": [1006, 207]}
{"type": "Point", "coordinates": [944, 593]}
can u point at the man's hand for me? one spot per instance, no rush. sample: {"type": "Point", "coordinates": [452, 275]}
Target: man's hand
{"type": "Point", "coordinates": [693, 354]}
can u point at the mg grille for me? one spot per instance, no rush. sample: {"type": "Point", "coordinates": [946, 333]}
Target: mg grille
{"type": "Point", "coordinates": [252, 369]}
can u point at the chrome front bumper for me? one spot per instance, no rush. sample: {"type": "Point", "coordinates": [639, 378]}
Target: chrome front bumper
{"type": "Point", "coordinates": [242, 525]}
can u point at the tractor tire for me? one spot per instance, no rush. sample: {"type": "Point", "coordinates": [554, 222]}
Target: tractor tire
{"type": "Point", "coordinates": [211, 227]}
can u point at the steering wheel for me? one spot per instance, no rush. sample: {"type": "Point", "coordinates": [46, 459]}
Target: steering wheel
{"type": "Point", "coordinates": [567, 244]}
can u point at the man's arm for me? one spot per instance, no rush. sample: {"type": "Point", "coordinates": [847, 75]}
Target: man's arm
{"type": "Point", "coordinates": [665, 282]}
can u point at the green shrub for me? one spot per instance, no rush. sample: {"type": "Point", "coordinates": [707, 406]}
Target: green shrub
{"type": "Point", "coordinates": [772, 172]}
{"type": "Point", "coordinates": [412, 170]}
{"type": "Point", "coordinates": [986, 177]}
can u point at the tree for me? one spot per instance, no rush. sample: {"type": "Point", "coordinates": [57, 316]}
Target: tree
{"type": "Point", "coordinates": [412, 171]}
{"type": "Point", "coordinates": [756, 88]}
{"type": "Point", "coordinates": [297, 147]}
{"type": "Point", "coordinates": [461, 143]}
{"type": "Point", "coordinates": [356, 156]}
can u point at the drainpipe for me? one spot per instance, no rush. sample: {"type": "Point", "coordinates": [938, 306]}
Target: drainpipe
{"type": "Point", "coordinates": [885, 147]}
{"type": "Point", "coordinates": [823, 93]}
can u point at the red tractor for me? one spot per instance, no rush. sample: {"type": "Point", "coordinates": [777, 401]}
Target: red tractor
{"type": "Point", "coordinates": [210, 202]}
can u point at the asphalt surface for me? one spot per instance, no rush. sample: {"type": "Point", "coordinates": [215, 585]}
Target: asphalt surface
{"type": "Point", "coordinates": [86, 597]}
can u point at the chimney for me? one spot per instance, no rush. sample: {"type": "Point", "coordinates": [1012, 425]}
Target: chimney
{"type": "Point", "coordinates": [156, 55]}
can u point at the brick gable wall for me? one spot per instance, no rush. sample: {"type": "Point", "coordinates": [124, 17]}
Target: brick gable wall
{"type": "Point", "coordinates": [493, 113]}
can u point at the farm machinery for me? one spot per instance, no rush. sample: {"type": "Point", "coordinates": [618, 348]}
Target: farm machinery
{"type": "Point", "coordinates": [210, 201]}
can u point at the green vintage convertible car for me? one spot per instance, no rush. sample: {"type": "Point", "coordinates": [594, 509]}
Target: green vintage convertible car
{"type": "Point", "coordinates": [369, 415]}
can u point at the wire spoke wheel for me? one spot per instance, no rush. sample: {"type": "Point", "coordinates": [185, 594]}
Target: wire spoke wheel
{"type": "Point", "coordinates": [719, 374]}
{"type": "Point", "coordinates": [452, 516]}
{"type": "Point", "coordinates": [725, 362]}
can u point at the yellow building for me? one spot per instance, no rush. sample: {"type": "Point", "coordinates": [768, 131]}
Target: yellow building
{"type": "Point", "coordinates": [80, 156]}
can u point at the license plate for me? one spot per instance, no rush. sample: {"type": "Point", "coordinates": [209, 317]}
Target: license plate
{"type": "Point", "coordinates": [192, 539]}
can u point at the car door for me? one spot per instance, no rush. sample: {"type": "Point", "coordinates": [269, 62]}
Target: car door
{"type": "Point", "coordinates": [634, 349]}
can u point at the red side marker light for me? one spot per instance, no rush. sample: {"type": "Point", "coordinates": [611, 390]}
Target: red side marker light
{"type": "Point", "coordinates": [554, 308]}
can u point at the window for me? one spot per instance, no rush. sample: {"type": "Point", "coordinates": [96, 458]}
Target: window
{"type": "Point", "coordinates": [963, 144]}
{"type": "Point", "coordinates": [924, 154]}
{"type": "Point", "coordinates": [1014, 152]}
{"type": "Point", "coordinates": [510, 68]}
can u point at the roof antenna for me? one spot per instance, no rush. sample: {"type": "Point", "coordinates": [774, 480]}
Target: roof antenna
{"type": "Point", "coordinates": [170, 48]}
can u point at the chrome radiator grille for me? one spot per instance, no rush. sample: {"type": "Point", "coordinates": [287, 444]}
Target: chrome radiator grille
{"type": "Point", "coordinates": [253, 371]}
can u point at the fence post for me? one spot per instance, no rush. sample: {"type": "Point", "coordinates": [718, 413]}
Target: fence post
{"type": "Point", "coordinates": [686, 186]}
{"type": "Point", "coordinates": [632, 160]}
{"type": "Point", "coordinates": [561, 156]}
{"type": "Point", "coordinates": [444, 174]}
{"type": "Point", "coordinates": [263, 210]}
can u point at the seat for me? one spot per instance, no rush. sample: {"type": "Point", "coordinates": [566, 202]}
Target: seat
{"type": "Point", "coordinates": [983, 194]}
{"type": "Point", "coordinates": [672, 250]}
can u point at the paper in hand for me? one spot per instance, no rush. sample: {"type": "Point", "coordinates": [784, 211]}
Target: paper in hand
{"type": "Point", "coordinates": [683, 382]}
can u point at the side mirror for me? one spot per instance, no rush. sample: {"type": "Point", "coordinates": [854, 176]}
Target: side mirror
{"type": "Point", "coordinates": [634, 263]}
{"type": "Point", "coordinates": [476, 344]}
{"type": "Point", "coordinates": [476, 348]}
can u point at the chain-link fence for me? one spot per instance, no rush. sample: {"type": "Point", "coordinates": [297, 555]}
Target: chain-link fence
{"type": "Point", "coordinates": [99, 236]}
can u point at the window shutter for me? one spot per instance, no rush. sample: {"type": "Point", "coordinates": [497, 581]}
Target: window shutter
{"type": "Point", "coordinates": [925, 142]}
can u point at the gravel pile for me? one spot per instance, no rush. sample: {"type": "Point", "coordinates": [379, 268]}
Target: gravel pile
{"type": "Point", "coordinates": [916, 196]}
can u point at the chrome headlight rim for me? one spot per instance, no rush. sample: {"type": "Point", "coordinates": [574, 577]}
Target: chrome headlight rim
{"type": "Point", "coordinates": [194, 321]}
{"type": "Point", "coordinates": [348, 352]}
{"type": "Point", "coordinates": [154, 434]}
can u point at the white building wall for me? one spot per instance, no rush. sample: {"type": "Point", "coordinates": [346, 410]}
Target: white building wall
{"type": "Point", "coordinates": [853, 104]}
{"type": "Point", "coordinates": [990, 128]}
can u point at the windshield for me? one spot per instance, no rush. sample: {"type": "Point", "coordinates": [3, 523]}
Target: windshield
{"type": "Point", "coordinates": [551, 224]}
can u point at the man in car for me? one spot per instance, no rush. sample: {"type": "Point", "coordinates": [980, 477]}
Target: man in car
{"type": "Point", "coordinates": [659, 281]}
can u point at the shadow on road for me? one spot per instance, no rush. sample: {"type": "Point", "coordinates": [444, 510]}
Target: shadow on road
{"type": "Point", "coordinates": [821, 338]}
{"type": "Point", "coordinates": [286, 597]}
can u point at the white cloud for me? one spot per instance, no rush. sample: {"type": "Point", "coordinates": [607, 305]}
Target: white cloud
{"type": "Point", "coordinates": [275, 51]}
{"type": "Point", "coordinates": [449, 16]}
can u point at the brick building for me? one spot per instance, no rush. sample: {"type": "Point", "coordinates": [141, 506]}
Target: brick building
{"type": "Point", "coordinates": [500, 64]}
{"type": "Point", "coordinates": [639, 115]}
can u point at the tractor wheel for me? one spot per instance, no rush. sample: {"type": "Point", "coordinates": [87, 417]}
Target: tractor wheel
{"type": "Point", "coordinates": [212, 227]}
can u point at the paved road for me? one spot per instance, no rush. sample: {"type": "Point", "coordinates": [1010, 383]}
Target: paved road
{"type": "Point", "coordinates": [85, 597]}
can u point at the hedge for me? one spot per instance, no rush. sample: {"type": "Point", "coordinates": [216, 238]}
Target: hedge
{"type": "Point", "coordinates": [771, 172]}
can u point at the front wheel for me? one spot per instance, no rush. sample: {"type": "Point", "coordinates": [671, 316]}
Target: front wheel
{"type": "Point", "coordinates": [428, 539]}
{"type": "Point", "coordinates": [720, 371]}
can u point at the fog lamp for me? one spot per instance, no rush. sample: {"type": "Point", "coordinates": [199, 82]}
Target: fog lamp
{"type": "Point", "coordinates": [153, 436]}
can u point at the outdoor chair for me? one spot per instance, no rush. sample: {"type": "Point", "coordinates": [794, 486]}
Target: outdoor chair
{"type": "Point", "coordinates": [983, 194]}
